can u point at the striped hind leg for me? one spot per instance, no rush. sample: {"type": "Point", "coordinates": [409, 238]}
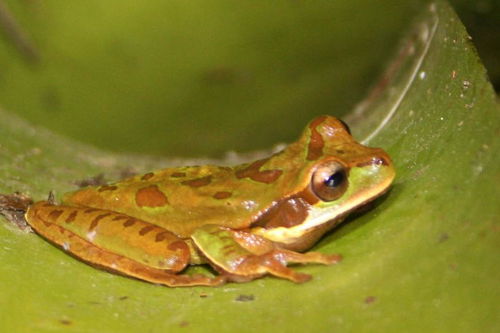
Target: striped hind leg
{"type": "Point", "coordinates": [117, 243]}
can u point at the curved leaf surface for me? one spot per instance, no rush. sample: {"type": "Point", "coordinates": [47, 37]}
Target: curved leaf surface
{"type": "Point", "coordinates": [423, 259]}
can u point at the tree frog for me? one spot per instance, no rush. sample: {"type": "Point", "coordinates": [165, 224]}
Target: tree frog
{"type": "Point", "coordinates": [245, 221]}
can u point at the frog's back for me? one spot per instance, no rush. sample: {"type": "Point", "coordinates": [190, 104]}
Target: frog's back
{"type": "Point", "coordinates": [182, 199]}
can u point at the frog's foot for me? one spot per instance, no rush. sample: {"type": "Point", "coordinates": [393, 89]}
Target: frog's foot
{"type": "Point", "coordinates": [241, 256]}
{"type": "Point", "coordinates": [117, 243]}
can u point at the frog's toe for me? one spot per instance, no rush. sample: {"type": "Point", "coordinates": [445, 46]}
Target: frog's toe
{"type": "Point", "coordinates": [279, 269]}
{"type": "Point", "coordinates": [332, 259]}
{"type": "Point", "coordinates": [251, 270]}
{"type": "Point", "coordinates": [310, 257]}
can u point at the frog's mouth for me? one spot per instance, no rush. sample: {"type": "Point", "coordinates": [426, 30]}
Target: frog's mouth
{"type": "Point", "coordinates": [366, 183]}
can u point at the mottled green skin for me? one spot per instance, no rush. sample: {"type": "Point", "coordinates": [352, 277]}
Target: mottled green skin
{"type": "Point", "coordinates": [246, 221]}
{"type": "Point", "coordinates": [282, 175]}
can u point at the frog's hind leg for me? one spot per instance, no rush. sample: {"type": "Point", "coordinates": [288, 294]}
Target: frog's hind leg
{"type": "Point", "coordinates": [243, 256]}
{"type": "Point", "coordinates": [117, 243]}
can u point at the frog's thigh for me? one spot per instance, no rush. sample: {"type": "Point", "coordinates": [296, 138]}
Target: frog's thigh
{"type": "Point", "coordinates": [116, 242]}
{"type": "Point", "coordinates": [246, 256]}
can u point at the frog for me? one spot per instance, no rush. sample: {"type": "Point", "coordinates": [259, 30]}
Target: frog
{"type": "Point", "coordinates": [244, 221]}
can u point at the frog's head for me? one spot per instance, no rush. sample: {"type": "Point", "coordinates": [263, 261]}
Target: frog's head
{"type": "Point", "coordinates": [337, 176]}
{"type": "Point", "coordinates": [343, 173]}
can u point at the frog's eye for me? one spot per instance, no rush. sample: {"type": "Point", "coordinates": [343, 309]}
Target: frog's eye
{"type": "Point", "coordinates": [329, 181]}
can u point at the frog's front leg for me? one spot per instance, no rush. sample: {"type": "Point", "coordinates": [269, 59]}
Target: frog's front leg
{"type": "Point", "coordinates": [117, 242]}
{"type": "Point", "coordinates": [243, 256]}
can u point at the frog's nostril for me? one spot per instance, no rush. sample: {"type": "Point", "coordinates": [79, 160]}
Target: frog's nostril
{"type": "Point", "coordinates": [378, 160]}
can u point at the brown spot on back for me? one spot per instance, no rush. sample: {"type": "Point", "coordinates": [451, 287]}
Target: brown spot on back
{"type": "Point", "coordinates": [90, 210]}
{"type": "Point", "coordinates": [147, 176]}
{"type": "Point", "coordinates": [198, 182]}
{"type": "Point", "coordinates": [119, 217]}
{"type": "Point", "coordinates": [130, 222]}
{"type": "Point", "coordinates": [316, 142]}
{"type": "Point", "coordinates": [146, 229]}
{"type": "Point", "coordinates": [96, 220]}
{"type": "Point", "coordinates": [107, 188]}
{"type": "Point", "coordinates": [253, 172]}
{"type": "Point", "coordinates": [161, 236]}
{"type": "Point", "coordinates": [178, 174]}
{"type": "Point", "coordinates": [71, 217]}
{"type": "Point", "coordinates": [54, 215]}
{"type": "Point", "coordinates": [150, 196]}
{"type": "Point", "coordinates": [222, 195]}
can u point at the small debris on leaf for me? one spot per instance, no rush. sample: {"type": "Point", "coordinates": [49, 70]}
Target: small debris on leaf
{"type": "Point", "coordinates": [13, 207]}
{"type": "Point", "coordinates": [244, 298]}
{"type": "Point", "coordinates": [370, 299]}
{"type": "Point", "coordinates": [443, 237]}
{"type": "Point", "coordinates": [66, 322]}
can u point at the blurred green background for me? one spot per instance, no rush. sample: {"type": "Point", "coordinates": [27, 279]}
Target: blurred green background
{"type": "Point", "coordinates": [201, 78]}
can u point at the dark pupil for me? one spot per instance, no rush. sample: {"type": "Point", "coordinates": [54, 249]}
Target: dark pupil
{"type": "Point", "coordinates": [335, 180]}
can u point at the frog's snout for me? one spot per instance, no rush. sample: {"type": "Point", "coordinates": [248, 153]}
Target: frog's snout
{"type": "Point", "coordinates": [382, 160]}
{"type": "Point", "coordinates": [379, 168]}
{"type": "Point", "coordinates": [376, 158]}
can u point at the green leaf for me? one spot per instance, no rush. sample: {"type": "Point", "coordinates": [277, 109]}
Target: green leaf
{"type": "Point", "coordinates": [207, 75]}
{"type": "Point", "coordinates": [425, 258]}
